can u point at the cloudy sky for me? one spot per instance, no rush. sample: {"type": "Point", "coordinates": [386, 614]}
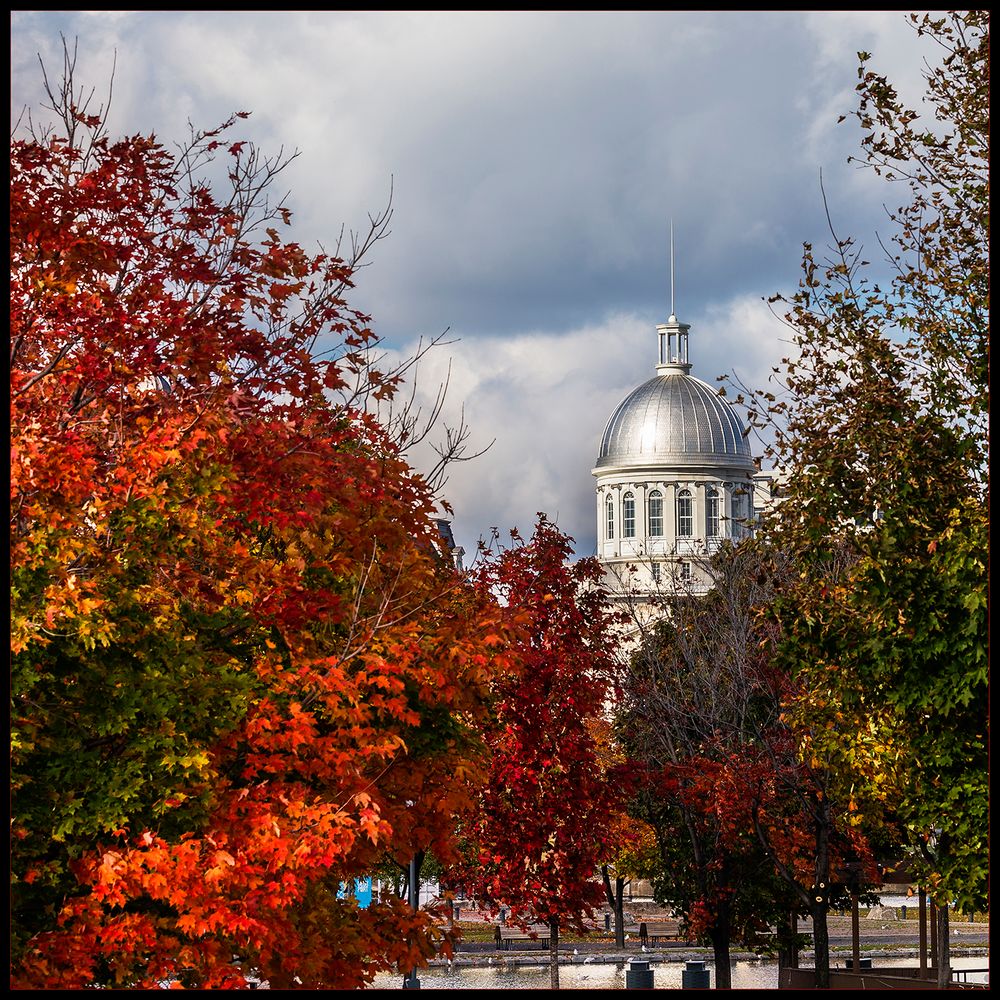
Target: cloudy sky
{"type": "Point", "coordinates": [536, 162]}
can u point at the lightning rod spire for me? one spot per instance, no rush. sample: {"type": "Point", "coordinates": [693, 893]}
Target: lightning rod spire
{"type": "Point", "coordinates": [672, 313]}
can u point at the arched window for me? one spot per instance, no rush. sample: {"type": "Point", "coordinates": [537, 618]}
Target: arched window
{"type": "Point", "coordinates": [609, 510]}
{"type": "Point", "coordinates": [711, 512]}
{"type": "Point", "coordinates": [656, 514]}
{"type": "Point", "coordinates": [628, 516]}
{"type": "Point", "coordinates": [739, 513]}
{"type": "Point", "coordinates": [685, 514]}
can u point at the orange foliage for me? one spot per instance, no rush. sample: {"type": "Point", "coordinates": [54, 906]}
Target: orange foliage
{"type": "Point", "coordinates": [237, 651]}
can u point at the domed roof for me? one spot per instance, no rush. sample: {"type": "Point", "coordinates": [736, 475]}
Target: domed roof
{"type": "Point", "coordinates": [674, 419]}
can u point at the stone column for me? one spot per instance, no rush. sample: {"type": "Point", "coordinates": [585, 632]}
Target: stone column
{"type": "Point", "coordinates": [602, 526]}
{"type": "Point", "coordinates": [616, 498]}
{"type": "Point", "coordinates": [642, 491]}
{"type": "Point", "coordinates": [670, 516]}
{"type": "Point", "coordinates": [698, 496]}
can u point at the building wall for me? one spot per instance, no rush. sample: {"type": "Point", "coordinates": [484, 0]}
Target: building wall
{"type": "Point", "coordinates": [644, 561]}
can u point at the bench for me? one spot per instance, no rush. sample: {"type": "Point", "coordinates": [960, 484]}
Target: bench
{"type": "Point", "coordinates": [666, 930]}
{"type": "Point", "coordinates": [535, 932]}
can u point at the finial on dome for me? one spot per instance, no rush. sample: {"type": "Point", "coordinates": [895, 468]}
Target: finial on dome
{"type": "Point", "coordinates": [673, 354]}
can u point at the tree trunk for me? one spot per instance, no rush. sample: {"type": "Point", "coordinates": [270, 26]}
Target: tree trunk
{"type": "Point", "coordinates": [616, 900]}
{"type": "Point", "coordinates": [821, 944]}
{"type": "Point", "coordinates": [922, 916]}
{"type": "Point", "coordinates": [855, 934]}
{"type": "Point", "coordinates": [934, 932]}
{"type": "Point", "coordinates": [944, 948]}
{"type": "Point", "coordinates": [820, 904]}
{"type": "Point", "coordinates": [554, 953]}
{"type": "Point", "coordinates": [788, 951]}
{"type": "Point", "coordinates": [719, 936]}
{"type": "Point", "coordinates": [620, 913]}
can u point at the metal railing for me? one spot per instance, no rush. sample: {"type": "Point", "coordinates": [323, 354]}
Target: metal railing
{"type": "Point", "coordinates": [962, 975]}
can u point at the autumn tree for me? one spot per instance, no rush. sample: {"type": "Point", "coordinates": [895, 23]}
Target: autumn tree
{"type": "Point", "coordinates": [633, 841]}
{"type": "Point", "coordinates": [701, 721]}
{"type": "Point", "coordinates": [633, 858]}
{"type": "Point", "coordinates": [881, 425]}
{"type": "Point", "coordinates": [542, 825]}
{"type": "Point", "coordinates": [238, 653]}
{"type": "Point", "coordinates": [883, 429]}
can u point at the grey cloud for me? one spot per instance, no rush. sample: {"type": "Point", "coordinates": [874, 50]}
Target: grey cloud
{"type": "Point", "coordinates": [546, 397]}
{"type": "Point", "coordinates": [537, 160]}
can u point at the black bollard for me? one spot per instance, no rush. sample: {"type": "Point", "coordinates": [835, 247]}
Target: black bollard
{"type": "Point", "coordinates": [638, 975]}
{"type": "Point", "coordinates": [695, 977]}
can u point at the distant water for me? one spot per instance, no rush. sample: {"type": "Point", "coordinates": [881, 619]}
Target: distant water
{"type": "Point", "coordinates": [593, 976]}
{"type": "Point", "coordinates": [910, 902]}
{"type": "Point", "coordinates": [746, 975]}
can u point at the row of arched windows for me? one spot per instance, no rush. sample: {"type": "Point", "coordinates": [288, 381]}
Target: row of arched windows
{"type": "Point", "coordinates": [684, 513]}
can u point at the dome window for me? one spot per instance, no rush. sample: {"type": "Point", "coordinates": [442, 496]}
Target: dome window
{"type": "Point", "coordinates": [656, 514]}
{"type": "Point", "coordinates": [628, 516]}
{"type": "Point", "coordinates": [712, 513]}
{"type": "Point", "coordinates": [609, 512]}
{"type": "Point", "coordinates": [685, 514]}
{"type": "Point", "coordinates": [739, 513]}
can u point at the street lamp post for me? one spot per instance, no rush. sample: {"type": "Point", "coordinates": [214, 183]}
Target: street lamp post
{"type": "Point", "coordinates": [411, 982]}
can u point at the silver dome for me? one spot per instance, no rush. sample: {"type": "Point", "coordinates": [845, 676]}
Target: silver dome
{"type": "Point", "coordinates": [674, 419]}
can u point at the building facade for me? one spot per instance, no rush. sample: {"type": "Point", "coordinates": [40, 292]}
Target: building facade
{"type": "Point", "coordinates": [675, 479]}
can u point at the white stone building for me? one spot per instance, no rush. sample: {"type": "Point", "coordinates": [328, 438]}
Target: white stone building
{"type": "Point", "coordinates": [675, 478]}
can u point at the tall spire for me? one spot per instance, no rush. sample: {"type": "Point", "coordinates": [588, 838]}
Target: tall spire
{"type": "Point", "coordinates": [671, 267]}
{"type": "Point", "coordinates": [673, 335]}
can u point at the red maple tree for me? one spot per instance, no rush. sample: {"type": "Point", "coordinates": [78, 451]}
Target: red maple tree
{"type": "Point", "coordinates": [544, 817]}
{"type": "Point", "coordinates": [749, 829]}
{"type": "Point", "coordinates": [238, 655]}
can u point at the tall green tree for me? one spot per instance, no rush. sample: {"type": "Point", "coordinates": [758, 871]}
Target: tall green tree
{"type": "Point", "coordinates": [883, 433]}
